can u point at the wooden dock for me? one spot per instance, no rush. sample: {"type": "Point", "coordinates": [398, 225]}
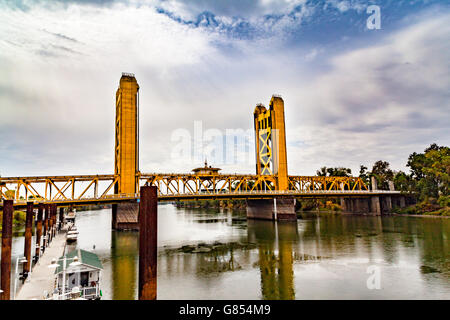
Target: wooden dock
{"type": "Point", "coordinates": [42, 277]}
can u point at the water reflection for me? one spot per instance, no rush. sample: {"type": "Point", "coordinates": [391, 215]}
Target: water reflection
{"type": "Point", "coordinates": [124, 266]}
{"type": "Point", "coordinates": [221, 255]}
{"type": "Point", "coordinates": [274, 242]}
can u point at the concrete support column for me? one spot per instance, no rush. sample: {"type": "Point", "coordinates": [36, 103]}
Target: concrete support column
{"type": "Point", "coordinates": [351, 206]}
{"type": "Point", "coordinates": [260, 209]}
{"type": "Point", "coordinates": [28, 236]}
{"type": "Point", "coordinates": [281, 209]}
{"type": "Point", "coordinates": [285, 209]}
{"type": "Point", "coordinates": [402, 202]}
{"type": "Point", "coordinates": [125, 216]}
{"type": "Point", "coordinates": [357, 207]}
{"type": "Point", "coordinates": [39, 231]}
{"type": "Point", "coordinates": [362, 205]}
{"type": "Point", "coordinates": [375, 206]}
{"type": "Point", "coordinates": [391, 185]}
{"type": "Point", "coordinates": [374, 183]}
{"type": "Point", "coordinates": [343, 205]}
{"type": "Point", "coordinates": [148, 225]}
{"type": "Point", "coordinates": [5, 284]}
{"type": "Point", "coordinates": [388, 203]}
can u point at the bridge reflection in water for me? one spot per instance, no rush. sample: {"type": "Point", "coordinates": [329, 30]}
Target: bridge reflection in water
{"type": "Point", "coordinates": [124, 265]}
{"type": "Point", "coordinates": [274, 241]}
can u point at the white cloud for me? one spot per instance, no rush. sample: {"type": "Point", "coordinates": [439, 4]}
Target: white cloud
{"type": "Point", "coordinates": [380, 102]}
{"type": "Point", "coordinates": [62, 67]}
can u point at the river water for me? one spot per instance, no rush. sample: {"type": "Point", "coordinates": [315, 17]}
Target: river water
{"type": "Point", "coordinates": [216, 254]}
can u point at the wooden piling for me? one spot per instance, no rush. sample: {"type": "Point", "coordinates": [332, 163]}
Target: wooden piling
{"type": "Point", "coordinates": [148, 223]}
{"type": "Point", "coordinates": [5, 283]}
{"type": "Point", "coordinates": [28, 236]}
{"type": "Point", "coordinates": [39, 230]}
{"type": "Point", "coordinates": [60, 218]}
{"type": "Point", "coordinates": [50, 223]}
{"type": "Point", "coordinates": [45, 233]}
{"type": "Point", "coordinates": [54, 209]}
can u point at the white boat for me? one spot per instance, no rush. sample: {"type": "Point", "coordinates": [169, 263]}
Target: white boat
{"type": "Point", "coordinates": [70, 216]}
{"type": "Point", "coordinates": [72, 234]}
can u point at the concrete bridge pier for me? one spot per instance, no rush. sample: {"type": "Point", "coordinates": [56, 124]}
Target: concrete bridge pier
{"type": "Point", "coordinates": [361, 205]}
{"type": "Point", "coordinates": [402, 202]}
{"type": "Point", "coordinates": [375, 206]}
{"type": "Point", "coordinates": [125, 216]}
{"type": "Point", "coordinates": [280, 209]}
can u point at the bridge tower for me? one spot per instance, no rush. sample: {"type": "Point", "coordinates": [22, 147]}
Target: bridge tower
{"type": "Point", "coordinates": [271, 159]}
{"type": "Point", "coordinates": [126, 151]}
{"type": "Point", "coordinates": [270, 140]}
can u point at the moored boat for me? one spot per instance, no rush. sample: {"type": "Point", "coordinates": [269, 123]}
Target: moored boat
{"type": "Point", "coordinates": [70, 216]}
{"type": "Point", "coordinates": [72, 234]}
{"type": "Point", "coordinates": [78, 276]}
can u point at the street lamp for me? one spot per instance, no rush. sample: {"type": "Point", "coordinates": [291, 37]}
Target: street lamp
{"type": "Point", "coordinates": [55, 265]}
{"type": "Point", "coordinates": [21, 260]}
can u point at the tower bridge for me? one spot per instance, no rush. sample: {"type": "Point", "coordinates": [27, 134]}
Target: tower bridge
{"type": "Point", "coordinates": [270, 193]}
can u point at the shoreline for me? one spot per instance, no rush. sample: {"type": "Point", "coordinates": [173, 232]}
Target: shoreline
{"type": "Point", "coordinates": [420, 215]}
{"type": "Point", "coordinates": [315, 213]}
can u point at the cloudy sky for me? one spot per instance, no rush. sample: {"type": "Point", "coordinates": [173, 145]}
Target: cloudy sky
{"type": "Point", "coordinates": [352, 95]}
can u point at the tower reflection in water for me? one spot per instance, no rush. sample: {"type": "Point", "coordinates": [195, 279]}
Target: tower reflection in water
{"type": "Point", "coordinates": [275, 241]}
{"type": "Point", "coordinates": [125, 255]}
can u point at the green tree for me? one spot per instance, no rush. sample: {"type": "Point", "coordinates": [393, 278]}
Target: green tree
{"type": "Point", "coordinates": [364, 174]}
{"type": "Point", "coordinates": [334, 172]}
{"type": "Point", "coordinates": [404, 182]}
{"type": "Point", "coordinates": [430, 172]}
{"type": "Point", "coordinates": [383, 174]}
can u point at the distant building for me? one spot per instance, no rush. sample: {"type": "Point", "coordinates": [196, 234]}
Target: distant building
{"type": "Point", "coordinates": [206, 170]}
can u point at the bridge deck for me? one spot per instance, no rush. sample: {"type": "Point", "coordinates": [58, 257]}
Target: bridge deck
{"type": "Point", "coordinates": [247, 195]}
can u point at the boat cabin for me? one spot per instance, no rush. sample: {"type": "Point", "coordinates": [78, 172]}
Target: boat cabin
{"type": "Point", "coordinates": [83, 271]}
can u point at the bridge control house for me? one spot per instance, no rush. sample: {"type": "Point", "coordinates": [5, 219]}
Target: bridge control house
{"type": "Point", "coordinates": [206, 170]}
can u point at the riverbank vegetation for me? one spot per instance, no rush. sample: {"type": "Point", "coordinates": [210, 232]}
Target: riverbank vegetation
{"type": "Point", "coordinates": [427, 182]}
{"type": "Point", "coordinates": [18, 219]}
{"type": "Point", "coordinates": [426, 186]}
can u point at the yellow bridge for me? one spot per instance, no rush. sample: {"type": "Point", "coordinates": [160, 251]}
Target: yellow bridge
{"type": "Point", "coordinates": [89, 189]}
{"type": "Point", "coordinates": [270, 181]}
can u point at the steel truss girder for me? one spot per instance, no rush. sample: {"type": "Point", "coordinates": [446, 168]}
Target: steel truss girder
{"type": "Point", "coordinates": [101, 186]}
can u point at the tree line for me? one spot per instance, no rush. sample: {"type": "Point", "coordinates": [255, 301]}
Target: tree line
{"type": "Point", "coordinates": [427, 181]}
